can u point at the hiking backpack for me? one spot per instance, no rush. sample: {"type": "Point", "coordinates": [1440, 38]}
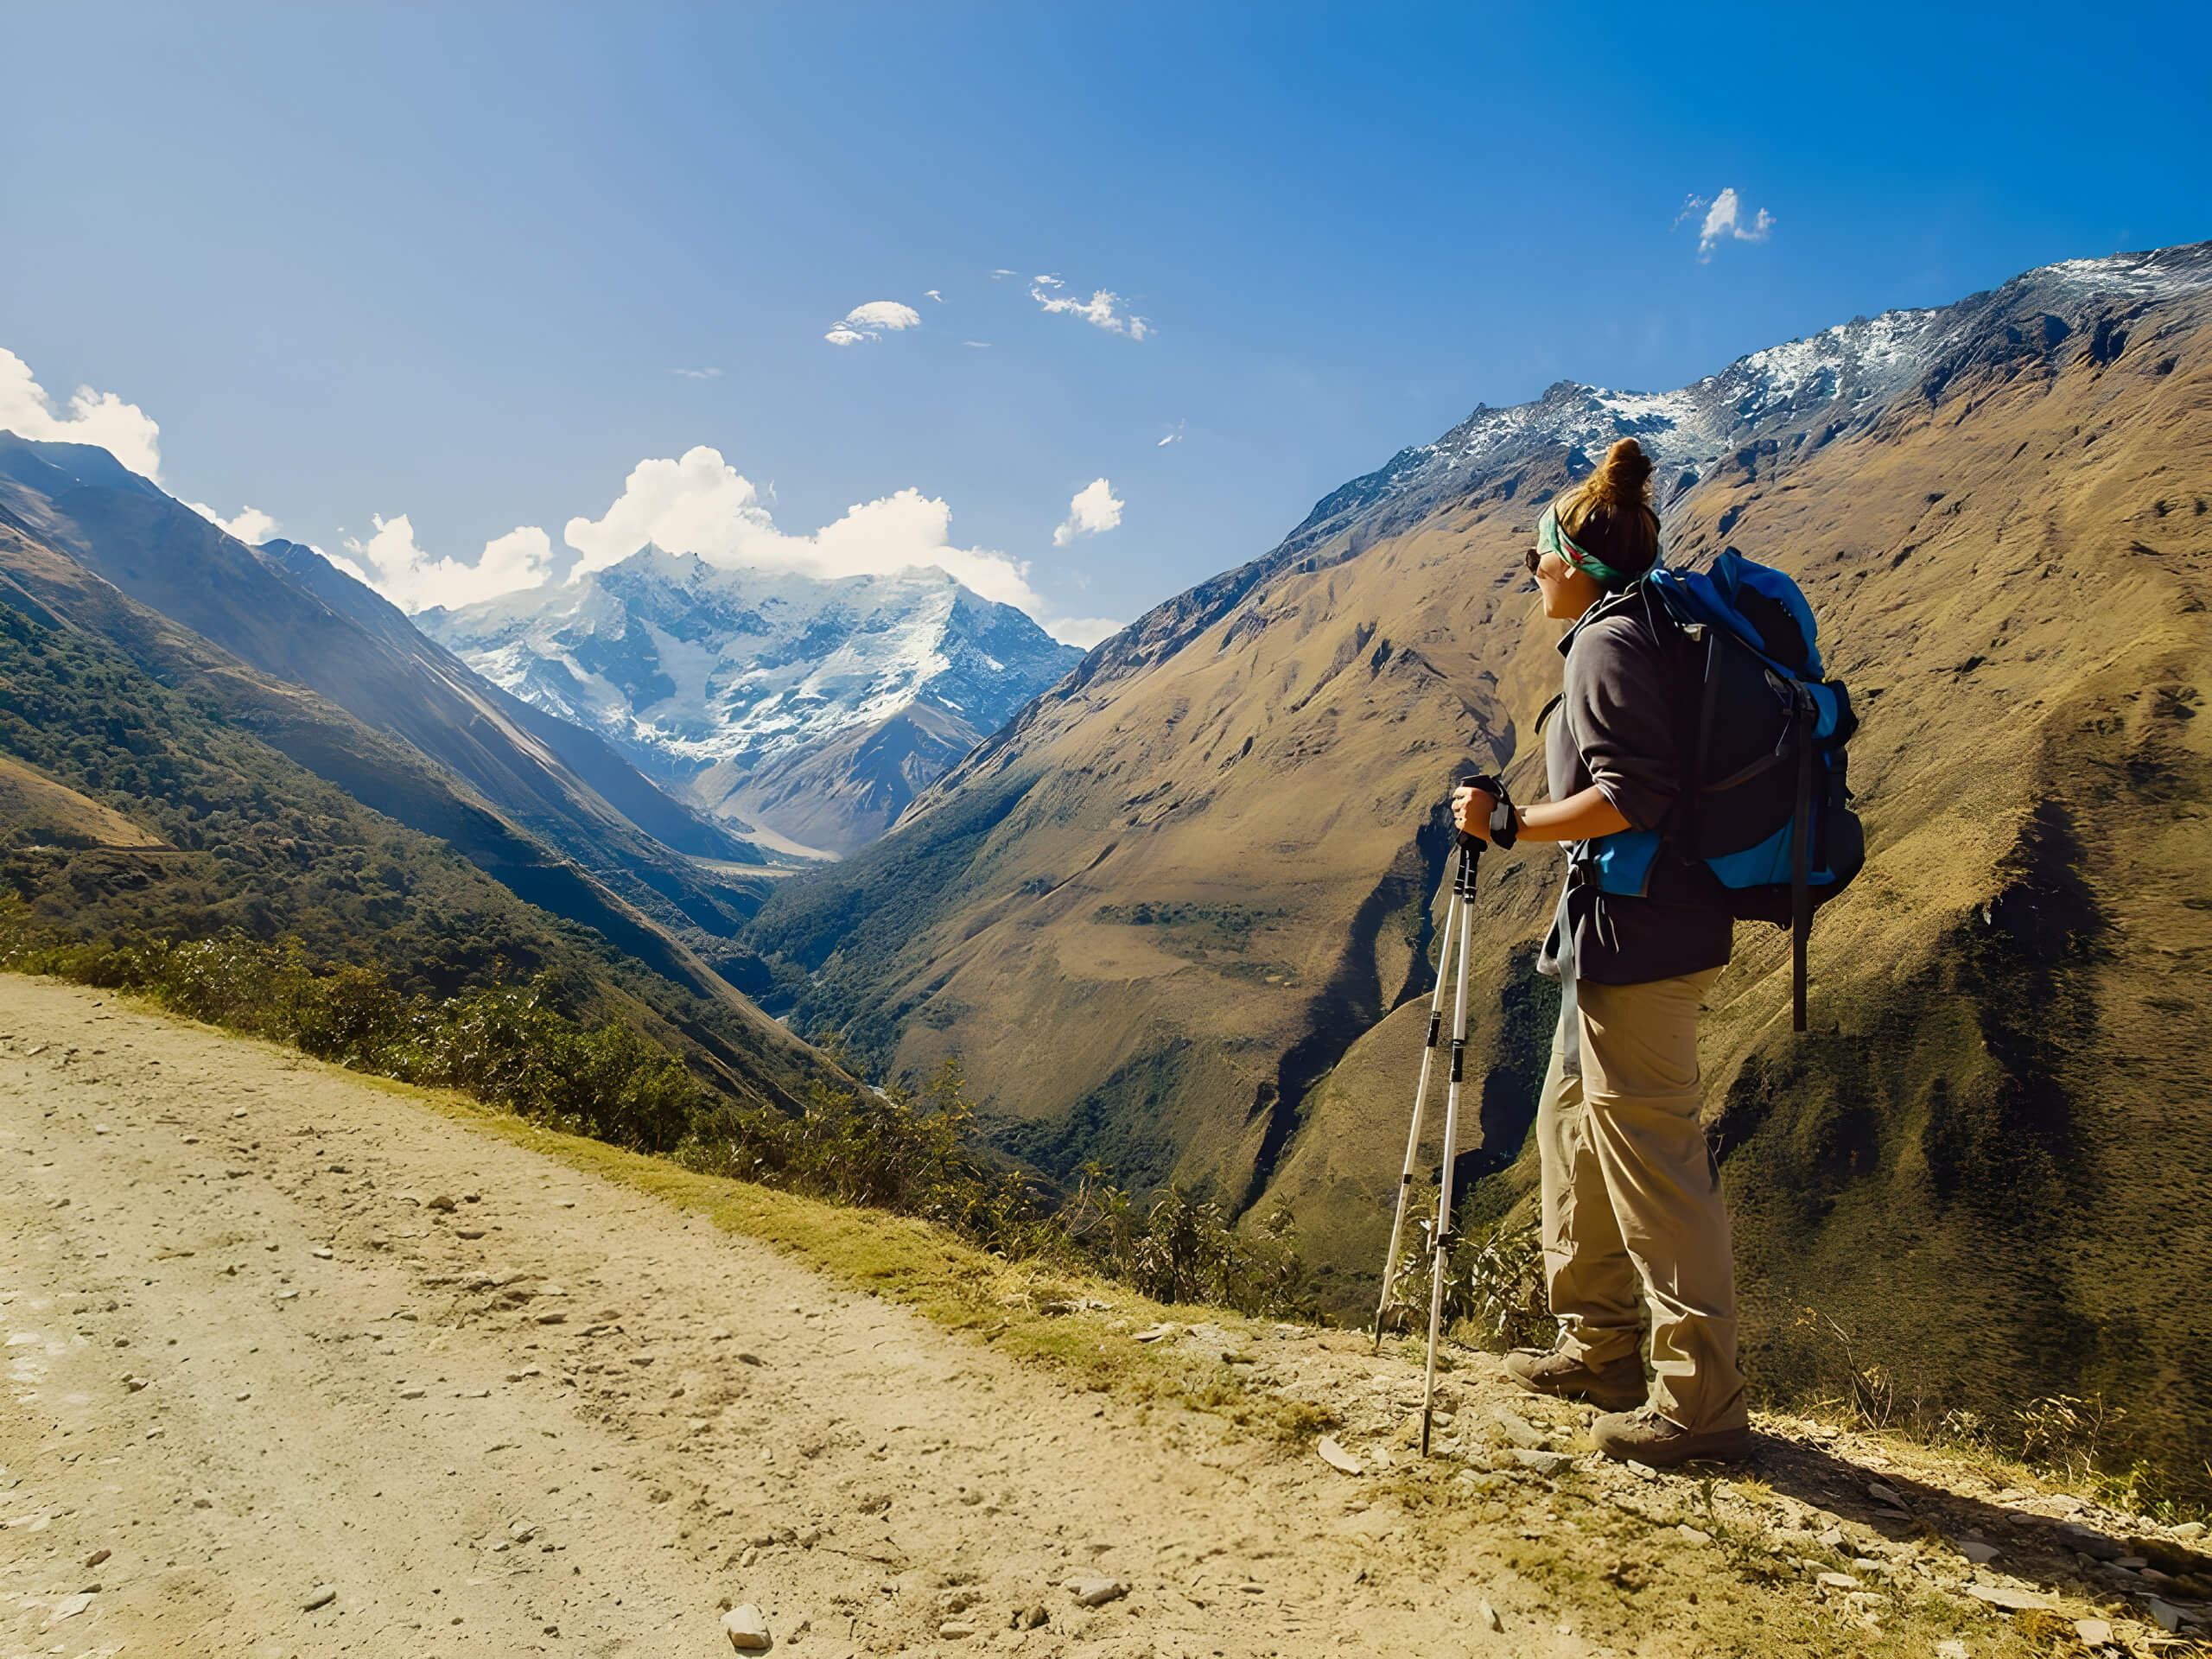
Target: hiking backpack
{"type": "Point", "coordinates": [1764, 806]}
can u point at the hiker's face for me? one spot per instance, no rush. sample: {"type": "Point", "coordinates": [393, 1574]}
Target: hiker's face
{"type": "Point", "coordinates": [1567, 592]}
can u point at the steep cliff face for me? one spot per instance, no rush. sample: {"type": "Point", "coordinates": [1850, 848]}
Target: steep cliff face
{"type": "Point", "coordinates": [1166, 916]}
{"type": "Point", "coordinates": [819, 709]}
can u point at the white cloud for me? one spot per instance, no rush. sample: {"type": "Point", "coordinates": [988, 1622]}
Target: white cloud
{"type": "Point", "coordinates": [390, 562]}
{"type": "Point", "coordinates": [1099, 311]}
{"type": "Point", "coordinates": [1176, 436]}
{"type": "Point", "coordinates": [1083, 631]}
{"type": "Point", "coordinates": [1048, 281]}
{"type": "Point", "coordinates": [700, 503]}
{"type": "Point", "coordinates": [698, 374]}
{"type": "Point", "coordinates": [978, 344]}
{"type": "Point", "coordinates": [1725, 221]}
{"type": "Point", "coordinates": [1003, 271]}
{"type": "Point", "coordinates": [931, 294]}
{"type": "Point", "coordinates": [124, 430]}
{"type": "Point", "coordinates": [1094, 510]}
{"type": "Point", "coordinates": [251, 526]}
{"type": "Point", "coordinates": [872, 322]}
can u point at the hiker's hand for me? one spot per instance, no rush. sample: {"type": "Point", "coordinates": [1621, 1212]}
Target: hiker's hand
{"type": "Point", "coordinates": [1470, 808]}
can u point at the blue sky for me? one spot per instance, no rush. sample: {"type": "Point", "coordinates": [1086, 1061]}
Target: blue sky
{"type": "Point", "coordinates": [446, 262]}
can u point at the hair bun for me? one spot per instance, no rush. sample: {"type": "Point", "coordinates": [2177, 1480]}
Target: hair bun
{"type": "Point", "coordinates": [1620, 478]}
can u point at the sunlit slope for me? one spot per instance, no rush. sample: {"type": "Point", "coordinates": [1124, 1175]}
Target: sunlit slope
{"type": "Point", "coordinates": [1159, 917]}
{"type": "Point", "coordinates": [1987, 1159]}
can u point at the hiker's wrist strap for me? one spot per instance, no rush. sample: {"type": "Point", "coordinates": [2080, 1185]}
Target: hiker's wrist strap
{"type": "Point", "coordinates": [1504, 823]}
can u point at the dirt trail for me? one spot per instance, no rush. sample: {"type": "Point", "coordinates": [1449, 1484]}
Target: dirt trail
{"type": "Point", "coordinates": [251, 1354]}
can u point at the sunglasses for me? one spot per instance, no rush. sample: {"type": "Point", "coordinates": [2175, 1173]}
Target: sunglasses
{"type": "Point", "coordinates": [1531, 560]}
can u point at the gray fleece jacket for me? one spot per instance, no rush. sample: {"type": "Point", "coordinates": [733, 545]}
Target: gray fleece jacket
{"type": "Point", "coordinates": [1617, 725]}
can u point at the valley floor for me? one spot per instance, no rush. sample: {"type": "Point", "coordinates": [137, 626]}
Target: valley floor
{"type": "Point", "coordinates": [273, 1330]}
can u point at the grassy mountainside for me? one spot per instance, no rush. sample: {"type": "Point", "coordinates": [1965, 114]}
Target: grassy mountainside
{"type": "Point", "coordinates": [307, 625]}
{"type": "Point", "coordinates": [1163, 915]}
{"type": "Point", "coordinates": [130, 811]}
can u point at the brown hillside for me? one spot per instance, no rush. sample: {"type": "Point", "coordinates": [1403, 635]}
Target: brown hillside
{"type": "Point", "coordinates": [1161, 919]}
{"type": "Point", "coordinates": [35, 811]}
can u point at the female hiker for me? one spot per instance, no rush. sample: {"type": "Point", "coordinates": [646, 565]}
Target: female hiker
{"type": "Point", "coordinates": [1632, 1210]}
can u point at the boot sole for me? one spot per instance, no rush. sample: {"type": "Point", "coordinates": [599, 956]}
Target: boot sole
{"type": "Point", "coordinates": [1657, 1457]}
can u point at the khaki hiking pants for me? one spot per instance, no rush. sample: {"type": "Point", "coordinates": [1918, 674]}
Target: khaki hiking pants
{"type": "Point", "coordinates": [1633, 1206]}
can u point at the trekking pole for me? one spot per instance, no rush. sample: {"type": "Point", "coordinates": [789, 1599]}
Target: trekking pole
{"type": "Point", "coordinates": [1470, 852]}
{"type": "Point", "coordinates": [1421, 1098]}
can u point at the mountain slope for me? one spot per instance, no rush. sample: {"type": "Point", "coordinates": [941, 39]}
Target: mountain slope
{"type": "Point", "coordinates": [177, 825]}
{"type": "Point", "coordinates": [816, 708]}
{"type": "Point", "coordinates": [1162, 914]}
{"type": "Point", "coordinates": [78, 501]}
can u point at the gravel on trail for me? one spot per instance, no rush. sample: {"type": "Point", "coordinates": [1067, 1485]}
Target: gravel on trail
{"type": "Point", "coordinates": [298, 1366]}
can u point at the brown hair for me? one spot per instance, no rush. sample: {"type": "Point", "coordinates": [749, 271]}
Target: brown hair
{"type": "Point", "coordinates": [1610, 512]}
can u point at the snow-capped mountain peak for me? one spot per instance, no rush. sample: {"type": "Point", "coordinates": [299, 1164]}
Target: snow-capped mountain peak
{"type": "Point", "coordinates": [695, 668]}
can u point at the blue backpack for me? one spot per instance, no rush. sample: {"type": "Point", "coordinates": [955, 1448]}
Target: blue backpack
{"type": "Point", "coordinates": [1764, 808]}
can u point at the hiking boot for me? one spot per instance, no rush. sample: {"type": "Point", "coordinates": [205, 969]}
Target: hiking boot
{"type": "Point", "coordinates": [1617, 1386]}
{"type": "Point", "coordinates": [1647, 1438]}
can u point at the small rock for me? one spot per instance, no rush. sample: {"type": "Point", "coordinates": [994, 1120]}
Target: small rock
{"type": "Point", "coordinates": [1544, 1463]}
{"type": "Point", "coordinates": [1695, 1535]}
{"type": "Point", "coordinates": [321, 1596]}
{"type": "Point", "coordinates": [1839, 1582]}
{"type": "Point", "coordinates": [321, 1255]}
{"type": "Point", "coordinates": [1032, 1617]}
{"type": "Point", "coordinates": [747, 1630]}
{"type": "Point", "coordinates": [1641, 1470]}
{"type": "Point", "coordinates": [1884, 1495]}
{"type": "Point", "coordinates": [412, 1394]}
{"type": "Point", "coordinates": [1951, 1649]}
{"type": "Point", "coordinates": [1521, 1434]}
{"type": "Point", "coordinates": [2164, 1615]}
{"type": "Point", "coordinates": [1979, 1554]}
{"type": "Point", "coordinates": [2093, 1632]}
{"type": "Point", "coordinates": [552, 1318]}
{"type": "Point", "coordinates": [2189, 1531]}
{"type": "Point", "coordinates": [751, 1359]}
{"type": "Point", "coordinates": [1336, 1457]}
{"type": "Point", "coordinates": [953, 1629]}
{"type": "Point", "coordinates": [1490, 1620]}
{"type": "Point", "coordinates": [97, 1556]}
{"type": "Point", "coordinates": [2010, 1600]}
{"type": "Point", "coordinates": [134, 1383]}
{"type": "Point", "coordinates": [1155, 1333]}
{"type": "Point", "coordinates": [70, 1606]}
{"type": "Point", "coordinates": [1095, 1592]}
{"type": "Point", "coordinates": [442, 1202]}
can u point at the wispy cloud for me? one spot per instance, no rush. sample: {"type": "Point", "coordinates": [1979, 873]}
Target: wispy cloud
{"type": "Point", "coordinates": [1003, 271]}
{"type": "Point", "coordinates": [1094, 510]}
{"type": "Point", "coordinates": [1046, 281]}
{"type": "Point", "coordinates": [698, 374]}
{"type": "Point", "coordinates": [1176, 436]}
{"type": "Point", "coordinates": [931, 294]}
{"type": "Point", "coordinates": [873, 322]}
{"type": "Point", "coordinates": [251, 526]}
{"type": "Point", "coordinates": [1725, 221]}
{"type": "Point", "coordinates": [978, 344]}
{"type": "Point", "coordinates": [124, 430]}
{"type": "Point", "coordinates": [1101, 310]}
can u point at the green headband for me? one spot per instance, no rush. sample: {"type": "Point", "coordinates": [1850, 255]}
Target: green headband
{"type": "Point", "coordinates": [1550, 538]}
